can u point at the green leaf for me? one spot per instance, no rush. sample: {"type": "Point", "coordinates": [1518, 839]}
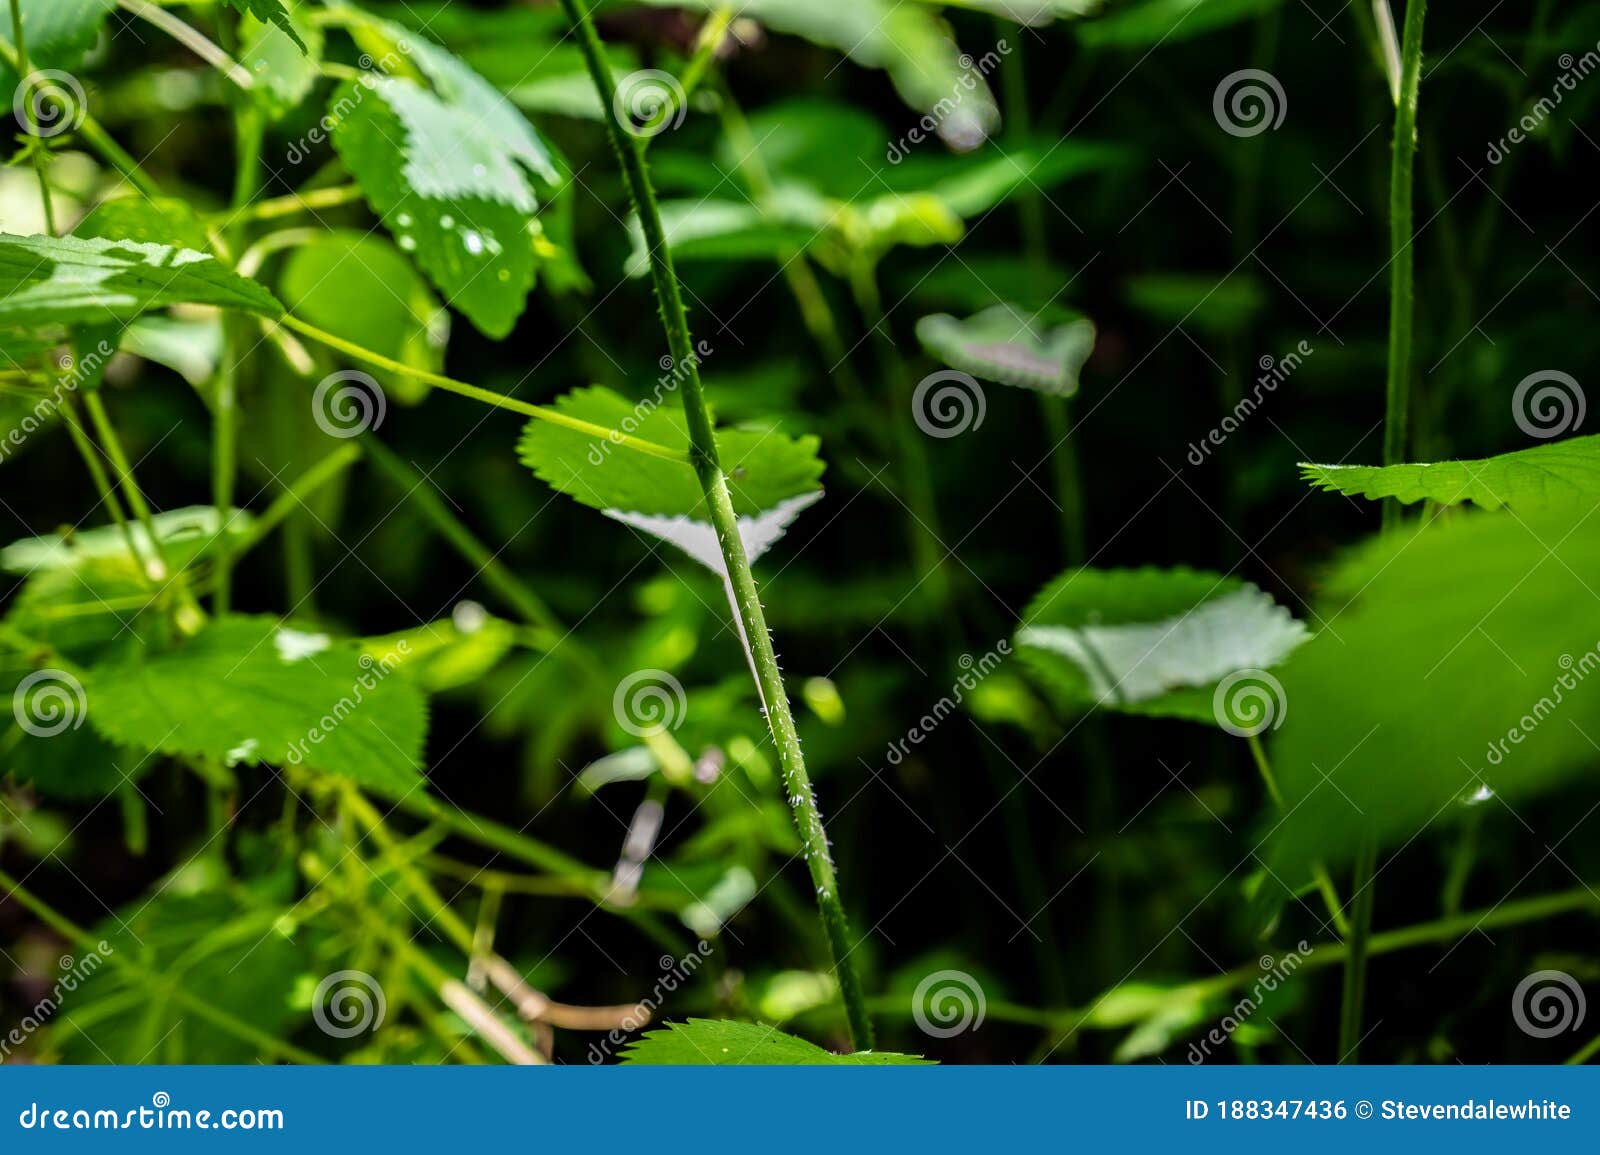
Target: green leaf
{"type": "Point", "coordinates": [449, 169]}
{"type": "Point", "coordinates": [1011, 346]}
{"type": "Point", "coordinates": [283, 56]}
{"type": "Point", "coordinates": [1149, 23]}
{"type": "Point", "coordinates": [725, 1043]}
{"type": "Point", "coordinates": [358, 286]}
{"type": "Point", "coordinates": [1158, 642]}
{"type": "Point", "coordinates": [1456, 660]}
{"type": "Point", "coordinates": [1561, 474]}
{"type": "Point", "coordinates": [972, 185]}
{"type": "Point", "coordinates": [74, 280]}
{"type": "Point", "coordinates": [446, 655]}
{"type": "Point", "coordinates": [707, 228]}
{"type": "Point", "coordinates": [271, 12]}
{"type": "Point", "coordinates": [164, 221]}
{"type": "Point", "coordinates": [59, 33]}
{"type": "Point", "coordinates": [764, 469]}
{"type": "Point", "coordinates": [186, 536]}
{"type": "Point", "coordinates": [248, 689]}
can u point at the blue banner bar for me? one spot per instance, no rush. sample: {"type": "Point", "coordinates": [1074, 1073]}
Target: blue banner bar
{"type": "Point", "coordinates": [775, 1110]}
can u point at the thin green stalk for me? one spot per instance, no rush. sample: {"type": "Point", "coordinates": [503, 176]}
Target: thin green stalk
{"type": "Point", "coordinates": [1402, 258]}
{"type": "Point", "coordinates": [168, 987]}
{"type": "Point", "coordinates": [291, 205]}
{"type": "Point", "coordinates": [224, 469]}
{"type": "Point", "coordinates": [1359, 944]}
{"type": "Point", "coordinates": [495, 574]}
{"type": "Point", "coordinates": [487, 396]}
{"type": "Point", "coordinates": [102, 483]}
{"type": "Point", "coordinates": [715, 485]}
{"type": "Point", "coordinates": [1330, 893]}
{"type": "Point", "coordinates": [294, 497]}
{"type": "Point", "coordinates": [192, 39]}
{"type": "Point", "coordinates": [36, 145]}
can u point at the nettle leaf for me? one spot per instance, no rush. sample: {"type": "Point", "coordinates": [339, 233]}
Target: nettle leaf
{"type": "Point", "coordinates": [359, 287]}
{"type": "Point", "coordinates": [908, 42]}
{"type": "Point", "coordinates": [1459, 662]}
{"type": "Point", "coordinates": [450, 168]}
{"type": "Point", "coordinates": [763, 468]}
{"type": "Point", "coordinates": [1560, 474]}
{"type": "Point", "coordinates": [1011, 346]}
{"type": "Point", "coordinates": [59, 33]}
{"type": "Point", "coordinates": [272, 12]}
{"type": "Point", "coordinates": [1149, 641]}
{"type": "Point", "coordinates": [76, 280]}
{"type": "Point", "coordinates": [726, 1043]}
{"type": "Point", "coordinates": [1148, 23]}
{"type": "Point", "coordinates": [164, 221]}
{"type": "Point", "coordinates": [249, 689]}
{"type": "Point", "coordinates": [447, 655]}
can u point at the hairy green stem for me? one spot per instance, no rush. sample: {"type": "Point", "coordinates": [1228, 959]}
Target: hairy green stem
{"type": "Point", "coordinates": [715, 485]}
{"type": "Point", "coordinates": [1402, 258]}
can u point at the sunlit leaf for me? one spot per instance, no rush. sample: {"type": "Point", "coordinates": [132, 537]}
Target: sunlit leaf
{"type": "Point", "coordinates": [1560, 474]}
{"type": "Point", "coordinates": [725, 1043]}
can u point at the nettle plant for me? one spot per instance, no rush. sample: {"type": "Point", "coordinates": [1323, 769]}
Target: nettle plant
{"type": "Point", "coordinates": [420, 196]}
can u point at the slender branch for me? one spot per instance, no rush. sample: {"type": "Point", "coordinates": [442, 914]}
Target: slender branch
{"type": "Point", "coordinates": [36, 144]}
{"type": "Point", "coordinates": [1353, 1006]}
{"type": "Point", "coordinates": [487, 396]}
{"type": "Point", "coordinates": [1402, 272]}
{"type": "Point", "coordinates": [288, 206]}
{"type": "Point", "coordinates": [192, 39]}
{"type": "Point", "coordinates": [704, 458]}
{"type": "Point", "coordinates": [294, 497]}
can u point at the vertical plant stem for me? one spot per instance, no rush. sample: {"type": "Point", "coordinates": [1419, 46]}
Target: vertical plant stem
{"type": "Point", "coordinates": [1353, 1007]}
{"type": "Point", "coordinates": [704, 458]}
{"type": "Point", "coordinates": [1402, 305]}
{"type": "Point", "coordinates": [102, 483]}
{"type": "Point", "coordinates": [36, 145]}
{"type": "Point", "coordinates": [1330, 893]}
